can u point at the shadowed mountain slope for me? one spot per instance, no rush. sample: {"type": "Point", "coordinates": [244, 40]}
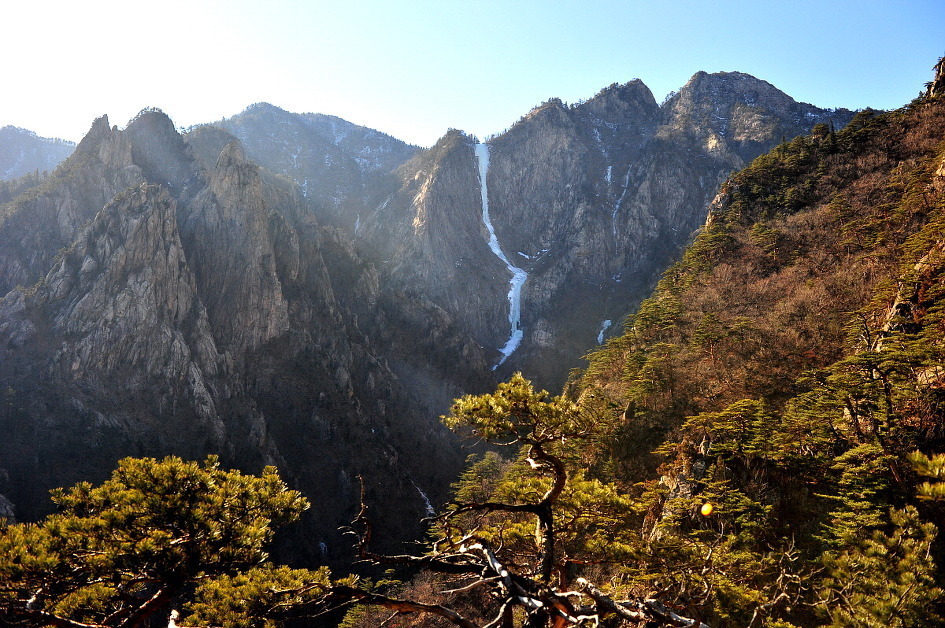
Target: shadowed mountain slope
{"type": "Point", "coordinates": [180, 308]}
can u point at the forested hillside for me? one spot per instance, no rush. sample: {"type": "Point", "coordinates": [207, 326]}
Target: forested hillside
{"type": "Point", "coordinates": [784, 371]}
{"type": "Point", "coordinates": [757, 448]}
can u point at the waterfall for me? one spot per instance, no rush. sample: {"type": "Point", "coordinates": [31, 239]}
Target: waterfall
{"type": "Point", "coordinates": [603, 327]}
{"type": "Point", "coordinates": [626, 183]}
{"type": "Point", "coordinates": [518, 275]}
{"type": "Point", "coordinates": [430, 510]}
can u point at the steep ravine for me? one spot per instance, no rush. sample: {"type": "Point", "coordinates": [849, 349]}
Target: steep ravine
{"type": "Point", "coordinates": [593, 200]}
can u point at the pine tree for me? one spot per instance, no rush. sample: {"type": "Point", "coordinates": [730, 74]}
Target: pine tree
{"type": "Point", "coordinates": [885, 581]}
{"type": "Point", "coordinates": [124, 552]}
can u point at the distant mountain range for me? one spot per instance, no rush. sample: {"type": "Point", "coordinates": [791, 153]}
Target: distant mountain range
{"type": "Point", "coordinates": [294, 289]}
{"type": "Point", "coordinates": [23, 152]}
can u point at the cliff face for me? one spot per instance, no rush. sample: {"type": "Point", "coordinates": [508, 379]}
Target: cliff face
{"type": "Point", "coordinates": [428, 238]}
{"type": "Point", "coordinates": [36, 225]}
{"type": "Point", "coordinates": [591, 200]}
{"type": "Point", "coordinates": [109, 340]}
{"type": "Point", "coordinates": [193, 312]}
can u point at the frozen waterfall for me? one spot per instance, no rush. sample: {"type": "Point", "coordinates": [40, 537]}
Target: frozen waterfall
{"type": "Point", "coordinates": [603, 328]}
{"type": "Point", "coordinates": [518, 275]}
{"type": "Point", "coordinates": [626, 184]}
{"type": "Point", "coordinates": [430, 510]}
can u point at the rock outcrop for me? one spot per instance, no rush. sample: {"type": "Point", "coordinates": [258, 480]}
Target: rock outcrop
{"type": "Point", "coordinates": [936, 87]}
{"type": "Point", "coordinates": [187, 308]}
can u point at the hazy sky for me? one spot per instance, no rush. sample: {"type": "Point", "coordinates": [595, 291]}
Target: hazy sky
{"type": "Point", "coordinates": [416, 68]}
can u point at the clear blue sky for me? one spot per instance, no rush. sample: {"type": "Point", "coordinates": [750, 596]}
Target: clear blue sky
{"type": "Point", "coordinates": [416, 68]}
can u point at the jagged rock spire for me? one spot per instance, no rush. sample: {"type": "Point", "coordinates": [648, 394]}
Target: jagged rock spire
{"type": "Point", "coordinates": [937, 86]}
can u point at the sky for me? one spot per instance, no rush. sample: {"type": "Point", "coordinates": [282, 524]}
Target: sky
{"type": "Point", "coordinates": [414, 69]}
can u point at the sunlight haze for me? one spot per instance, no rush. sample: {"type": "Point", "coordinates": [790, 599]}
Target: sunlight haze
{"type": "Point", "coordinates": [415, 69]}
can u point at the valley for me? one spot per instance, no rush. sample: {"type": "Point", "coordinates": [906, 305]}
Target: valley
{"type": "Point", "coordinates": [297, 290]}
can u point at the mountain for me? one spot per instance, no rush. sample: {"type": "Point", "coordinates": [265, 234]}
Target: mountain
{"type": "Point", "coordinates": [338, 165]}
{"type": "Point", "coordinates": [178, 307]}
{"type": "Point", "coordinates": [297, 290]}
{"type": "Point", "coordinates": [23, 152]}
{"type": "Point", "coordinates": [591, 200]}
{"type": "Point", "coordinates": [794, 269]}
{"type": "Point", "coordinates": [762, 446]}
{"type": "Point", "coordinates": [343, 172]}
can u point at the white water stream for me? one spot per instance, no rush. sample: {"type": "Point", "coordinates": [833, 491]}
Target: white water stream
{"type": "Point", "coordinates": [426, 500]}
{"type": "Point", "coordinates": [626, 183]}
{"type": "Point", "coordinates": [518, 275]}
{"type": "Point", "coordinates": [603, 328]}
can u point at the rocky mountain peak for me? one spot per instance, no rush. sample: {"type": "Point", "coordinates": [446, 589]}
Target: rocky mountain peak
{"type": "Point", "coordinates": [99, 127]}
{"type": "Point", "coordinates": [619, 118]}
{"type": "Point", "coordinates": [263, 115]}
{"type": "Point", "coordinates": [105, 144]}
{"type": "Point", "coordinates": [36, 226]}
{"type": "Point", "coordinates": [98, 133]}
{"type": "Point", "coordinates": [450, 140]}
{"type": "Point", "coordinates": [619, 99]}
{"type": "Point", "coordinates": [152, 120]}
{"type": "Point", "coordinates": [552, 110]}
{"type": "Point", "coordinates": [734, 116]}
{"type": "Point", "coordinates": [232, 155]}
{"type": "Point", "coordinates": [341, 168]}
{"type": "Point", "coordinates": [159, 150]}
{"type": "Point", "coordinates": [264, 108]}
{"type": "Point", "coordinates": [706, 95]}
